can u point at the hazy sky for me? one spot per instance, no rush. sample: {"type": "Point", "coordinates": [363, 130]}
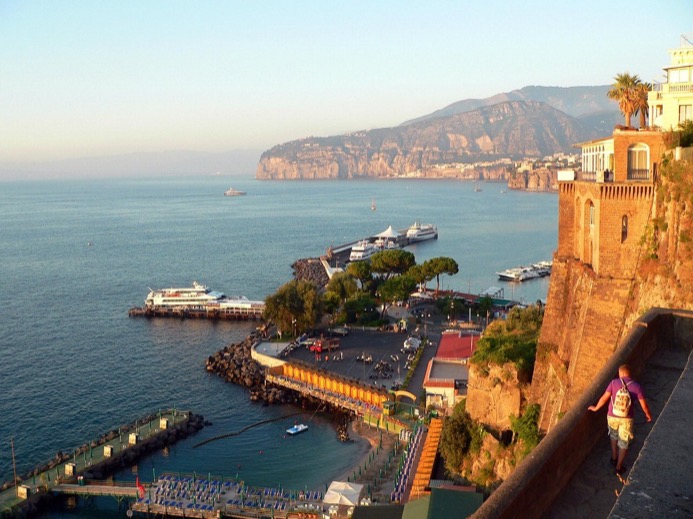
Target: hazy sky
{"type": "Point", "coordinates": [86, 78]}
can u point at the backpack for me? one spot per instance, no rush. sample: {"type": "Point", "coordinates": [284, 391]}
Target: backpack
{"type": "Point", "coordinates": [620, 404]}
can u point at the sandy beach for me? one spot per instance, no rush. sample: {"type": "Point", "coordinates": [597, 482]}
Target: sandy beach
{"type": "Point", "coordinates": [373, 466]}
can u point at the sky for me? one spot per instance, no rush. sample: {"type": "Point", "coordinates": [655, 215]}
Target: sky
{"type": "Point", "coordinates": [89, 78]}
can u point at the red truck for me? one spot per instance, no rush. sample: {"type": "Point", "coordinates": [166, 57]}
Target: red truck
{"type": "Point", "coordinates": [321, 345]}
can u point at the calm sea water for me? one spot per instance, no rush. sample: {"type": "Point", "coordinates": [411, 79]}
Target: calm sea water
{"type": "Point", "coordinates": [74, 365]}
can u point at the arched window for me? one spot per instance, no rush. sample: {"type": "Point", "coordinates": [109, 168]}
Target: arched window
{"type": "Point", "coordinates": [624, 228]}
{"type": "Point", "coordinates": [591, 206]}
{"type": "Point", "coordinates": [638, 162]}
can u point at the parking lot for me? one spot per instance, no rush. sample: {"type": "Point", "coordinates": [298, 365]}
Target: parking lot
{"type": "Point", "coordinates": [369, 355]}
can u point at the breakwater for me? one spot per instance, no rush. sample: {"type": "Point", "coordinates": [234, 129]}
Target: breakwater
{"type": "Point", "coordinates": [234, 364]}
{"type": "Point", "coordinates": [96, 460]}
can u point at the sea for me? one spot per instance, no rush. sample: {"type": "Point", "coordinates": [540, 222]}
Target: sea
{"type": "Point", "coordinates": [77, 254]}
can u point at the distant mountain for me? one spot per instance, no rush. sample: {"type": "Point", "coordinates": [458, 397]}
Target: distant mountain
{"type": "Point", "coordinates": [511, 129]}
{"type": "Point", "coordinates": [576, 101]}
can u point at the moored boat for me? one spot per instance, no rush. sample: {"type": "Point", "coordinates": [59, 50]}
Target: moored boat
{"type": "Point", "coordinates": [198, 301]}
{"type": "Point", "coordinates": [363, 250]}
{"type": "Point", "coordinates": [296, 429]}
{"type": "Point", "coordinates": [419, 232]}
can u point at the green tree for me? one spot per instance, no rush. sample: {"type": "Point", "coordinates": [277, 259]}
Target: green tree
{"type": "Point", "coordinates": [624, 90]}
{"type": "Point", "coordinates": [389, 263]}
{"type": "Point", "coordinates": [296, 305]}
{"type": "Point", "coordinates": [419, 274]}
{"type": "Point", "coordinates": [339, 289]}
{"type": "Point", "coordinates": [361, 270]}
{"type": "Point", "coordinates": [396, 289]}
{"type": "Point", "coordinates": [361, 309]}
{"type": "Point", "coordinates": [642, 107]}
{"type": "Point", "coordinates": [460, 435]}
{"type": "Point", "coordinates": [435, 267]}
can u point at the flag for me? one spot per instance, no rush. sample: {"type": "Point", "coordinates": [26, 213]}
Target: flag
{"type": "Point", "coordinates": [140, 487]}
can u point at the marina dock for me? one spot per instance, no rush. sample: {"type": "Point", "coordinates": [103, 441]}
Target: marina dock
{"type": "Point", "coordinates": [237, 314]}
{"type": "Point", "coordinates": [83, 471]}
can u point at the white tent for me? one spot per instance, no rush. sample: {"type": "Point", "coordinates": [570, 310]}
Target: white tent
{"type": "Point", "coordinates": [388, 233]}
{"type": "Point", "coordinates": [343, 493]}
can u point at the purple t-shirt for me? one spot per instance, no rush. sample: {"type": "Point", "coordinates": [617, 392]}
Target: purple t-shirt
{"type": "Point", "coordinates": [634, 389]}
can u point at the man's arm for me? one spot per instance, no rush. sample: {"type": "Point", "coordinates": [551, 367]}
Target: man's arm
{"type": "Point", "coordinates": [645, 408]}
{"type": "Point", "coordinates": [602, 401]}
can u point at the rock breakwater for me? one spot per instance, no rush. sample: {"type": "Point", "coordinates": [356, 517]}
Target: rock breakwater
{"type": "Point", "coordinates": [234, 364]}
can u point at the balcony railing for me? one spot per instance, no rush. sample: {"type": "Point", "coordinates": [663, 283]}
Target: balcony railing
{"type": "Point", "coordinates": [638, 174]}
{"type": "Point", "coordinates": [586, 176]}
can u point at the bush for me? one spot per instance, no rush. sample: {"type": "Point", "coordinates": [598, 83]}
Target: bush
{"type": "Point", "coordinates": [526, 429]}
{"type": "Point", "coordinates": [513, 340]}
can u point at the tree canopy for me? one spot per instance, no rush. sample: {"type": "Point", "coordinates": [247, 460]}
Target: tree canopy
{"type": "Point", "coordinates": [625, 90]}
{"type": "Point", "coordinates": [441, 265]}
{"type": "Point", "coordinates": [295, 305]}
{"type": "Point", "coordinates": [389, 263]}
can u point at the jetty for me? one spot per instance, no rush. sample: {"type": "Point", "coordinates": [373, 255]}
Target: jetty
{"type": "Point", "coordinates": [231, 314]}
{"type": "Point", "coordinates": [85, 470]}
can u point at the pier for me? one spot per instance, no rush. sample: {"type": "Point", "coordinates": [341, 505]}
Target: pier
{"type": "Point", "coordinates": [230, 314]}
{"type": "Point", "coordinates": [84, 470]}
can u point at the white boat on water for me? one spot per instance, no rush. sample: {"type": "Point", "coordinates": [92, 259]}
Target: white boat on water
{"type": "Point", "coordinates": [233, 192]}
{"type": "Point", "coordinates": [419, 232]}
{"type": "Point", "coordinates": [518, 274]}
{"type": "Point", "coordinates": [363, 250]}
{"type": "Point", "coordinates": [297, 429]}
{"type": "Point", "coordinates": [198, 297]}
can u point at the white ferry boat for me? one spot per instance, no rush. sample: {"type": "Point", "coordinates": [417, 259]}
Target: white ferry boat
{"type": "Point", "coordinates": [297, 429]}
{"type": "Point", "coordinates": [518, 274]}
{"type": "Point", "coordinates": [199, 298]}
{"type": "Point", "coordinates": [233, 192]}
{"type": "Point", "coordinates": [418, 232]}
{"type": "Point", "coordinates": [363, 250]}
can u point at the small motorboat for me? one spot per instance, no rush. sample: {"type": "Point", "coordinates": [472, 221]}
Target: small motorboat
{"type": "Point", "coordinates": [297, 429]}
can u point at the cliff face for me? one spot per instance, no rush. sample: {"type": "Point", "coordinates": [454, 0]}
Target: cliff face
{"type": "Point", "coordinates": [512, 129]}
{"type": "Point", "coordinates": [537, 180]}
{"type": "Point", "coordinates": [588, 315]}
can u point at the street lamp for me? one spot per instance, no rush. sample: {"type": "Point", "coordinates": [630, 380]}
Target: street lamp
{"type": "Point", "coordinates": [293, 326]}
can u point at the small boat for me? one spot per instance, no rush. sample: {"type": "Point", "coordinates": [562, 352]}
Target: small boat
{"type": "Point", "coordinates": [233, 192]}
{"type": "Point", "coordinates": [373, 205]}
{"type": "Point", "coordinates": [297, 429]}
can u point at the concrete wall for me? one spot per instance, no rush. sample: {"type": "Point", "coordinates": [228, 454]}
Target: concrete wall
{"type": "Point", "coordinates": [541, 477]}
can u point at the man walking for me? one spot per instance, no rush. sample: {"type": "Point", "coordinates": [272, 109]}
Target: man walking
{"type": "Point", "coordinates": [620, 394]}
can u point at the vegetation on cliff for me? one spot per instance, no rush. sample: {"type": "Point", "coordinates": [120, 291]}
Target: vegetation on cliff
{"type": "Point", "coordinates": [477, 443]}
{"type": "Point", "coordinates": [511, 340]}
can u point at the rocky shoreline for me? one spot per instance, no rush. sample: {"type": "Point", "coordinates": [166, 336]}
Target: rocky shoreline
{"type": "Point", "coordinates": [234, 364]}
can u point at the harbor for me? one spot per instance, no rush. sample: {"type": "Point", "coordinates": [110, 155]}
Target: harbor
{"type": "Point", "coordinates": [88, 469]}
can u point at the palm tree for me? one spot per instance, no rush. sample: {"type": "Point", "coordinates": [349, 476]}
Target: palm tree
{"type": "Point", "coordinates": [641, 105]}
{"type": "Point", "coordinates": [624, 91]}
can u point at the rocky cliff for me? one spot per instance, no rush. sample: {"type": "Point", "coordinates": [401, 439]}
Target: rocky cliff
{"type": "Point", "coordinates": [435, 148]}
{"type": "Point", "coordinates": [588, 315]}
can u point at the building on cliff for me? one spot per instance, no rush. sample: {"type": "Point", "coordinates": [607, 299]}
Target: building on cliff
{"type": "Point", "coordinates": [671, 103]}
{"type": "Point", "coordinates": [605, 211]}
